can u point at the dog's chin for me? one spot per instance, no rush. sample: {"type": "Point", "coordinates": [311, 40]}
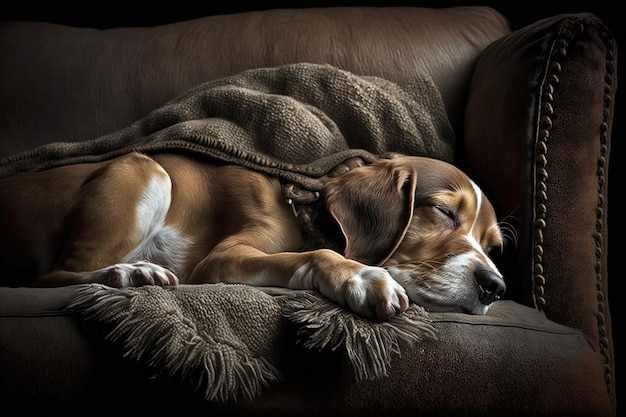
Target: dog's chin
{"type": "Point", "coordinates": [440, 294]}
{"type": "Point", "coordinates": [436, 302]}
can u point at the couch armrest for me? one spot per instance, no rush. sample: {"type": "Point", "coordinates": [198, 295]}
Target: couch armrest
{"type": "Point", "coordinates": [537, 135]}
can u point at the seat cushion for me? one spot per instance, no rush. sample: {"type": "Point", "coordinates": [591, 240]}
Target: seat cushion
{"type": "Point", "coordinates": [511, 361]}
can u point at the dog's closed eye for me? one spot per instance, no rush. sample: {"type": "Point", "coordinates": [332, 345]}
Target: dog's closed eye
{"type": "Point", "coordinates": [450, 215]}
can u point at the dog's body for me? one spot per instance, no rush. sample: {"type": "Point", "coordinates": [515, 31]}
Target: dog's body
{"type": "Point", "coordinates": [410, 225]}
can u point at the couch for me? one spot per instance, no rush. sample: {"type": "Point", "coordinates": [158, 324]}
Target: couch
{"type": "Point", "coordinates": [532, 110]}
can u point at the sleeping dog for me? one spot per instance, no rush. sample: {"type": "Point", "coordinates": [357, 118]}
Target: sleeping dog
{"type": "Point", "coordinates": [406, 228]}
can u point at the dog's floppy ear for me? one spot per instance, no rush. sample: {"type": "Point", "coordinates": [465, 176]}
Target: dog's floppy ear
{"type": "Point", "coordinates": [373, 206]}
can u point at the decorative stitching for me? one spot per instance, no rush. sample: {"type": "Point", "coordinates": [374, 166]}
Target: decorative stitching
{"type": "Point", "coordinates": [567, 32]}
{"type": "Point", "coordinates": [602, 162]}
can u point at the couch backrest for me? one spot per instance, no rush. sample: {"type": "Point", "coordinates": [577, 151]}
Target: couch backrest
{"type": "Point", "coordinates": [100, 81]}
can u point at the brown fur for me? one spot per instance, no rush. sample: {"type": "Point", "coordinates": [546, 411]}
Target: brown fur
{"type": "Point", "coordinates": [401, 218]}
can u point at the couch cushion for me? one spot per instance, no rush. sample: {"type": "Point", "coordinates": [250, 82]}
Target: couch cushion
{"type": "Point", "coordinates": [513, 359]}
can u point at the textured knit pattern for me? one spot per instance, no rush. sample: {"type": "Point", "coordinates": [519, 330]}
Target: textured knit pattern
{"type": "Point", "coordinates": [223, 339]}
{"type": "Point", "coordinates": [296, 121]}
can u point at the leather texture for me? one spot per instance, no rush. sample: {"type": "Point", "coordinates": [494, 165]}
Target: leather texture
{"type": "Point", "coordinates": [99, 81]}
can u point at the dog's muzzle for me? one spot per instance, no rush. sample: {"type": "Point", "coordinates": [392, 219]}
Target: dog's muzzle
{"type": "Point", "coordinates": [491, 286]}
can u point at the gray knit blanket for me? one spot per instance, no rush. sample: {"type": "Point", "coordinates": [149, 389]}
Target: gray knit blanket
{"type": "Point", "coordinates": [297, 122]}
{"type": "Point", "coordinates": [224, 340]}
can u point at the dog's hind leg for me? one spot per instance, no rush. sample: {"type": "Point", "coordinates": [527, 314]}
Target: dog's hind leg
{"type": "Point", "coordinates": [118, 206]}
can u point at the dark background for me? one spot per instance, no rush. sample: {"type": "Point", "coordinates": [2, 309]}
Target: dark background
{"type": "Point", "coordinates": [519, 13]}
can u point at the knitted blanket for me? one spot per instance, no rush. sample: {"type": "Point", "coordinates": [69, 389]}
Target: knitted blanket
{"type": "Point", "coordinates": [224, 339]}
{"type": "Point", "coordinates": [296, 122]}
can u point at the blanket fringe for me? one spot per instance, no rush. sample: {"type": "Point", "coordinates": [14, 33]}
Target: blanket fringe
{"type": "Point", "coordinates": [369, 345]}
{"type": "Point", "coordinates": [196, 333]}
{"type": "Point", "coordinates": [174, 350]}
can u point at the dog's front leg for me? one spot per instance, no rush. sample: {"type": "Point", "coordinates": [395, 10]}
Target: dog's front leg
{"type": "Point", "coordinates": [367, 290]}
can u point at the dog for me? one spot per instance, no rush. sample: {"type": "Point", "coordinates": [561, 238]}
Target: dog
{"type": "Point", "coordinates": [407, 229]}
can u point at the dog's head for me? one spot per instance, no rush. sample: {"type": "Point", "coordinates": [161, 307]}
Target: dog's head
{"type": "Point", "coordinates": [428, 224]}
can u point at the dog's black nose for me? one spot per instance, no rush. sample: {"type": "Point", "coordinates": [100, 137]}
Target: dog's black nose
{"type": "Point", "coordinates": [491, 286]}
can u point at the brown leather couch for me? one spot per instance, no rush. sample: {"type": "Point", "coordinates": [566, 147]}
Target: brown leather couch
{"type": "Point", "coordinates": [533, 112]}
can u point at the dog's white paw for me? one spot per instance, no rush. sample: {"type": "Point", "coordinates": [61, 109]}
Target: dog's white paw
{"type": "Point", "coordinates": [133, 275]}
{"type": "Point", "coordinates": [373, 293]}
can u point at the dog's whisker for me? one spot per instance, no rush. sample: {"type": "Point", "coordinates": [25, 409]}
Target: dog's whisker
{"type": "Point", "coordinates": [509, 233]}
